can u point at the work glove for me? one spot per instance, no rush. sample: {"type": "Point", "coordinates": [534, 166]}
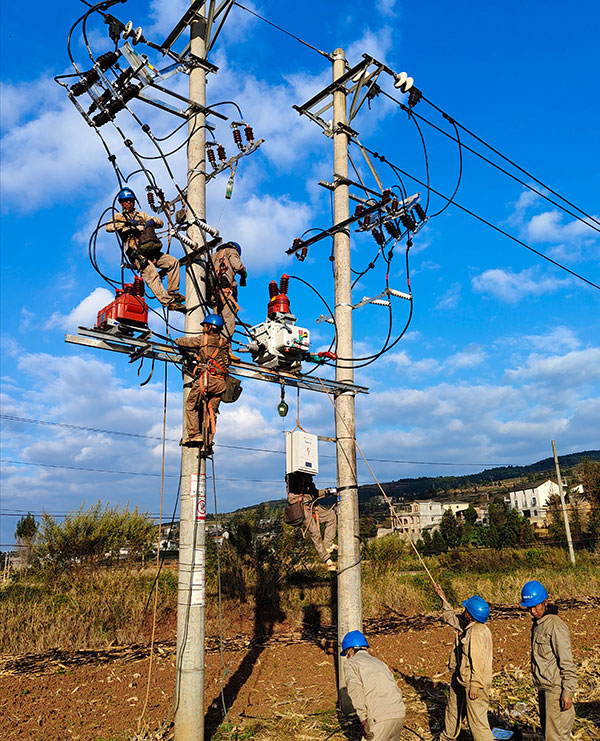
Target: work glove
{"type": "Point", "coordinates": [180, 216]}
{"type": "Point", "coordinates": [243, 277]}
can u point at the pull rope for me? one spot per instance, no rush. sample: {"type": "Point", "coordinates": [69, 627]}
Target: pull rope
{"type": "Point", "coordinates": [158, 564]}
{"type": "Point", "coordinates": [381, 489]}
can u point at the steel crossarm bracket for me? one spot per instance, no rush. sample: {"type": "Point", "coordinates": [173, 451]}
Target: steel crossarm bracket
{"type": "Point", "coordinates": [141, 347]}
{"type": "Point", "coordinates": [360, 76]}
{"type": "Point", "coordinates": [182, 24]}
{"type": "Point", "coordinates": [335, 228]}
{"type": "Point", "coordinates": [296, 380]}
{"type": "Point", "coordinates": [225, 165]}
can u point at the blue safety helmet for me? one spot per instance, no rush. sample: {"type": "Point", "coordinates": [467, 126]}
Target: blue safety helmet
{"type": "Point", "coordinates": [533, 593]}
{"type": "Point", "coordinates": [353, 639]}
{"type": "Point", "coordinates": [477, 608]}
{"type": "Point", "coordinates": [126, 195]}
{"type": "Point", "coordinates": [234, 245]}
{"type": "Point", "coordinates": [214, 320]}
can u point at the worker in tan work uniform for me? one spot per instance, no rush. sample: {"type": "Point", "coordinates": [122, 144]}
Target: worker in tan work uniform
{"type": "Point", "coordinates": [301, 487]}
{"type": "Point", "coordinates": [471, 666]}
{"type": "Point", "coordinates": [143, 250]}
{"type": "Point", "coordinates": [372, 689]}
{"type": "Point", "coordinates": [227, 263]}
{"type": "Point", "coordinates": [202, 403]}
{"type": "Point", "coordinates": [552, 664]}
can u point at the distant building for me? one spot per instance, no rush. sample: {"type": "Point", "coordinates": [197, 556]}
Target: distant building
{"type": "Point", "coordinates": [532, 502]}
{"type": "Point", "coordinates": [423, 515]}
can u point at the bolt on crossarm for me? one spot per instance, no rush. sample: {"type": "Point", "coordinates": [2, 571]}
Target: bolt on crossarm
{"type": "Point", "coordinates": [349, 577]}
{"type": "Point", "coordinates": [191, 593]}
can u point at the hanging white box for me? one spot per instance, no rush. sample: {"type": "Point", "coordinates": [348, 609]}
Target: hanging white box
{"type": "Point", "coordinates": [301, 452]}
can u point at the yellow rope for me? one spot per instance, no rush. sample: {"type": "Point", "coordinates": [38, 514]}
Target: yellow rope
{"type": "Point", "coordinates": [155, 606]}
{"type": "Point", "coordinates": [385, 496]}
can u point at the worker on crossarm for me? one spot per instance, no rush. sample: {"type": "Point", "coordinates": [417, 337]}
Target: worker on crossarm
{"type": "Point", "coordinates": [142, 248]}
{"type": "Point", "coordinates": [371, 686]}
{"type": "Point", "coordinates": [210, 372]}
{"type": "Point", "coordinates": [226, 264]}
{"type": "Point", "coordinates": [301, 488]}
{"type": "Point", "coordinates": [471, 666]}
{"type": "Point", "coordinates": [552, 664]}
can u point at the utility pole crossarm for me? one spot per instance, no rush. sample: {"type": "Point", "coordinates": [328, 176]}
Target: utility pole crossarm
{"type": "Point", "coordinates": [142, 347]}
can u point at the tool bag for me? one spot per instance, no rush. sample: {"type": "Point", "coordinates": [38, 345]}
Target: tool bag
{"type": "Point", "coordinates": [233, 390]}
{"type": "Point", "coordinates": [293, 514]}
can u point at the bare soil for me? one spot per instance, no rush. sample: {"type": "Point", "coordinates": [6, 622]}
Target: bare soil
{"type": "Point", "coordinates": [281, 685]}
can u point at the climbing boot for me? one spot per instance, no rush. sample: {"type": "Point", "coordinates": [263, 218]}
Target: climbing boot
{"type": "Point", "coordinates": [176, 296]}
{"type": "Point", "coordinates": [234, 358]}
{"type": "Point", "coordinates": [176, 306]}
{"type": "Point", "coordinates": [194, 441]}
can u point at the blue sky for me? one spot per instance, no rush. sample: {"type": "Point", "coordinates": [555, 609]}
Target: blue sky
{"type": "Point", "coordinates": [503, 352]}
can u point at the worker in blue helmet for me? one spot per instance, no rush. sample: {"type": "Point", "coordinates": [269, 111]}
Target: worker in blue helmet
{"type": "Point", "coordinates": [210, 369]}
{"type": "Point", "coordinates": [471, 666]}
{"type": "Point", "coordinates": [226, 265]}
{"type": "Point", "coordinates": [372, 689]}
{"type": "Point", "coordinates": [142, 249]}
{"type": "Point", "coordinates": [552, 665]}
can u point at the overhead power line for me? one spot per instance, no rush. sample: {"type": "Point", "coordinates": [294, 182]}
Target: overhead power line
{"type": "Point", "coordinates": [461, 144]}
{"type": "Point", "coordinates": [122, 473]}
{"type": "Point", "coordinates": [511, 162]}
{"type": "Point", "coordinates": [398, 170]}
{"type": "Point", "coordinates": [283, 30]}
{"type": "Point", "coordinates": [29, 420]}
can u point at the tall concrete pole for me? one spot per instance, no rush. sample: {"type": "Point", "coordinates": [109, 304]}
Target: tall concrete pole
{"type": "Point", "coordinates": [349, 587]}
{"type": "Point", "coordinates": [563, 506]}
{"type": "Point", "coordinates": [191, 594]}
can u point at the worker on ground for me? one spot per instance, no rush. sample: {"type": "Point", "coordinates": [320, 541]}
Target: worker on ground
{"type": "Point", "coordinates": [137, 230]}
{"type": "Point", "coordinates": [471, 666]}
{"type": "Point", "coordinates": [552, 664]}
{"type": "Point", "coordinates": [301, 488]}
{"type": "Point", "coordinates": [210, 371]}
{"type": "Point", "coordinates": [371, 686]}
{"type": "Point", "coordinates": [227, 263]}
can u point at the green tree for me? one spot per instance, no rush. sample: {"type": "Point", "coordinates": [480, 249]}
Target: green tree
{"type": "Point", "coordinates": [438, 544]}
{"type": "Point", "coordinates": [526, 535]}
{"type": "Point", "coordinates": [25, 534]}
{"type": "Point", "coordinates": [556, 528]}
{"type": "Point", "coordinates": [497, 511]}
{"type": "Point", "coordinates": [511, 530]}
{"type": "Point", "coordinates": [426, 544]}
{"type": "Point", "coordinates": [450, 529]}
{"type": "Point", "coordinates": [95, 536]}
{"type": "Point", "coordinates": [588, 472]}
{"type": "Point", "coordinates": [470, 515]}
{"type": "Point", "coordinates": [367, 528]}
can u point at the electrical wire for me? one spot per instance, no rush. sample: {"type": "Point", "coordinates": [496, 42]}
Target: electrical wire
{"type": "Point", "coordinates": [514, 164]}
{"type": "Point", "coordinates": [279, 28]}
{"type": "Point", "coordinates": [462, 145]}
{"type": "Point", "coordinates": [383, 159]}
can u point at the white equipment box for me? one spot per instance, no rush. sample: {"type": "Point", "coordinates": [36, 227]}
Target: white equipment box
{"type": "Point", "coordinates": [301, 452]}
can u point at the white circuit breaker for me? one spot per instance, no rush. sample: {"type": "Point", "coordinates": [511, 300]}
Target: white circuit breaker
{"type": "Point", "coordinates": [301, 452]}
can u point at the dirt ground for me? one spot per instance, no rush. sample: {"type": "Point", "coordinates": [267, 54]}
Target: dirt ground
{"type": "Point", "coordinates": [280, 686]}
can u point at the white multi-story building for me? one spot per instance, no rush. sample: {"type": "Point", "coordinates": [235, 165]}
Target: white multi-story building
{"type": "Point", "coordinates": [424, 515]}
{"type": "Point", "coordinates": [532, 501]}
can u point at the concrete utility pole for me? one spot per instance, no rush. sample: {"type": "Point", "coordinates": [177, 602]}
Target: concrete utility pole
{"type": "Point", "coordinates": [349, 582]}
{"type": "Point", "coordinates": [563, 506]}
{"type": "Point", "coordinates": [191, 593]}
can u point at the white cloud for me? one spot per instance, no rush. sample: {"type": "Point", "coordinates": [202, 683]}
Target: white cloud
{"type": "Point", "coordinates": [469, 358]}
{"type": "Point", "coordinates": [578, 367]}
{"type": "Point", "coordinates": [511, 287]}
{"type": "Point", "coordinates": [387, 8]}
{"type": "Point", "coordinates": [449, 299]}
{"type": "Point", "coordinates": [84, 314]}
